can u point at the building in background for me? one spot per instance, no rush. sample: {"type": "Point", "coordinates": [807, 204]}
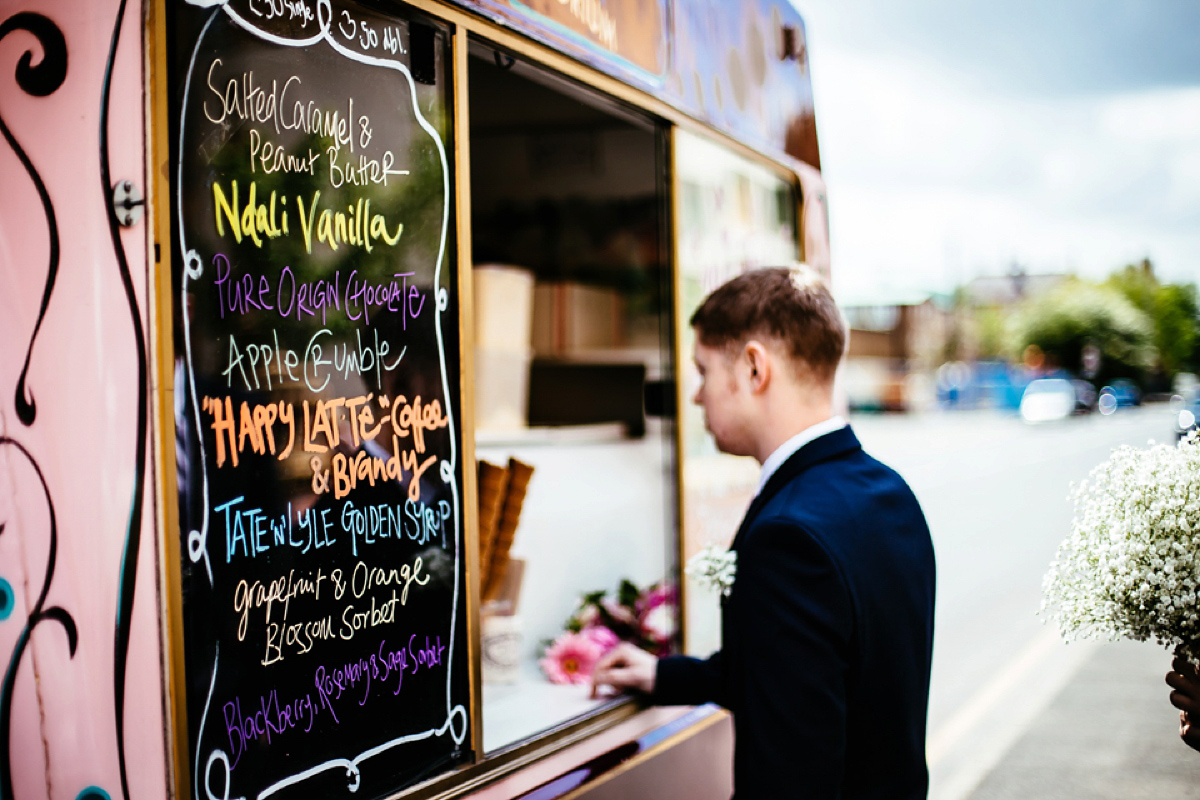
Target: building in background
{"type": "Point", "coordinates": [897, 342]}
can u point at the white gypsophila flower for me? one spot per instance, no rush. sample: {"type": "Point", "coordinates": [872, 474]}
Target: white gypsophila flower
{"type": "Point", "coordinates": [714, 568]}
{"type": "Point", "coordinates": [1131, 566]}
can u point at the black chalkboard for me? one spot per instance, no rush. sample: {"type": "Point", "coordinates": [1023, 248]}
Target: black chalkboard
{"type": "Point", "coordinates": [317, 412]}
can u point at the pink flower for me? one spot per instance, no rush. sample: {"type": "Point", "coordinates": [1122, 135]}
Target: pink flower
{"type": "Point", "coordinates": [655, 597]}
{"type": "Point", "coordinates": [620, 614]}
{"type": "Point", "coordinates": [601, 636]}
{"type": "Point", "coordinates": [587, 615]}
{"type": "Point", "coordinates": [656, 614]}
{"type": "Point", "coordinates": [658, 624]}
{"type": "Point", "coordinates": [571, 659]}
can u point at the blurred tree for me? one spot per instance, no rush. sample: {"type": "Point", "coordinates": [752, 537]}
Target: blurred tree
{"type": "Point", "coordinates": [1173, 310]}
{"type": "Point", "coordinates": [1177, 327]}
{"type": "Point", "coordinates": [990, 330]}
{"type": "Point", "coordinates": [1062, 322]}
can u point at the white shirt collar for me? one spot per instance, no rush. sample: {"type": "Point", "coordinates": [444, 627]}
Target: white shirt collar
{"type": "Point", "coordinates": [785, 450]}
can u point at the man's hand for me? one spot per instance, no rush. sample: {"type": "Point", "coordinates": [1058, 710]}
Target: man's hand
{"type": "Point", "coordinates": [625, 667]}
{"type": "Point", "coordinates": [1185, 681]}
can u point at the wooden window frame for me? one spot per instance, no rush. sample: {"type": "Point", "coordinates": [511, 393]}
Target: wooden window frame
{"type": "Point", "coordinates": [464, 27]}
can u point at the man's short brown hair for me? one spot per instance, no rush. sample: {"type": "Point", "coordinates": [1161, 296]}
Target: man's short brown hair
{"type": "Point", "coordinates": [792, 306]}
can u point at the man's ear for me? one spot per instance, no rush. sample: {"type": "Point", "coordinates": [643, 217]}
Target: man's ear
{"type": "Point", "coordinates": [758, 362]}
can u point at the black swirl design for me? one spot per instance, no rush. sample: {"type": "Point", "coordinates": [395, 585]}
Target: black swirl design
{"type": "Point", "coordinates": [133, 530]}
{"type": "Point", "coordinates": [39, 80]}
{"type": "Point", "coordinates": [38, 614]}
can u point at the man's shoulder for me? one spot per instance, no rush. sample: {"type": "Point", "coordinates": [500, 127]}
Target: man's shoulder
{"type": "Point", "coordinates": [849, 476]}
{"type": "Point", "coordinates": [852, 493]}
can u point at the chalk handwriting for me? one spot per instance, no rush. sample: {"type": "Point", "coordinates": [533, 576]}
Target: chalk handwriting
{"type": "Point", "coordinates": [322, 427]}
{"type": "Point", "coordinates": [254, 423]}
{"type": "Point", "coordinates": [251, 595]}
{"type": "Point", "coordinates": [355, 619]}
{"type": "Point", "coordinates": [368, 35]}
{"type": "Point", "coordinates": [265, 155]}
{"type": "Point", "coordinates": [349, 471]}
{"type": "Point", "coordinates": [364, 607]}
{"type": "Point", "coordinates": [268, 365]}
{"type": "Point", "coordinates": [365, 578]}
{"type": "Point", "coordinates": [248, 293]}
{"type": "Point", "coordinates": [366, 171]}
{"type": "Point", "coordinates": [300, 636]}
{"type": "Point", "coordinates": [249, 532]}
{"type": "Point", "coordinates": [414, 520]}
{"type": "Point", "coordinates": [242, 294]}
{"type": "Point", "coordinates": [243, 99]}
{"type": "Point", "coordinates": [266, 220]}
{"type": "Point", "coordinates": [279, 9]}
{"type": "Point", "coordinates": [333, 682]}
{"type": "Point", "coordinates": [269, 717]}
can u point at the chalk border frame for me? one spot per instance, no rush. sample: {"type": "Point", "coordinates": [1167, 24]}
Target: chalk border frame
{"type": "Point", "coordinates": [193, 268]}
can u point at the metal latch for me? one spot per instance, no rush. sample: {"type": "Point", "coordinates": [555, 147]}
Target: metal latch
{"type": "Point", "coordinates": [127, 203]}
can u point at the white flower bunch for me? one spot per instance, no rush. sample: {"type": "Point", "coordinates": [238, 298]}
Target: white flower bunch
{"type": "Point", "coordinates": [714, 568]}
{"type": "Point", "coordinates": [1131, 566]}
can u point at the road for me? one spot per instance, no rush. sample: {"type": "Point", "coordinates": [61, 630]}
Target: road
{"type": "Point", "coordinates": [995, 492]}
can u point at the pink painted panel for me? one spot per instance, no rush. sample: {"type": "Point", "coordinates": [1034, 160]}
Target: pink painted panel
{"type": "Point", "coordinates": [78, 555]}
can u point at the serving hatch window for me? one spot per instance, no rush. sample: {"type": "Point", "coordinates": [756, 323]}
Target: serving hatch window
{"type": "Point", "coordinates": [572, 384]}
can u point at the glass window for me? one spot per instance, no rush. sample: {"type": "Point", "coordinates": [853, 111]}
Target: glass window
{"type": "Point", "coordinates": [572, 354]}
{"type": "Point", "coordinates": [734, 215]}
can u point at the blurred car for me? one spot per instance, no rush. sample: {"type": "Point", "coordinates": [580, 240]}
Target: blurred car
{"type": "Point", "coordinates": [1085, 396]}
{"type": "Point", "coordinates": [1124, 392]}
{"type": "Point", "coordinates": [1048, 399]}
{"type": "Point", "coordinates": [1187, 419]}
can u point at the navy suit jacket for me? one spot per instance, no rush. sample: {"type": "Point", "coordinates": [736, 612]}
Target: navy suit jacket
{"type": "Point", "coordinates": [827, 633]}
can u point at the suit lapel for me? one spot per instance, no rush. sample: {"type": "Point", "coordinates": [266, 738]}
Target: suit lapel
{"type": "Point", "coordinates": [823, 448]}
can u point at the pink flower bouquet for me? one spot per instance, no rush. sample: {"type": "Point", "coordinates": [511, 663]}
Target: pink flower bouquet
{"type": "Point", "coordinates": [645, 618]}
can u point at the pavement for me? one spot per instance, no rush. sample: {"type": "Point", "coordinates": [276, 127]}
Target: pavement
{"type": "Point", "coordinates": [1014, 712]}
{"type": "Point", "coordinates": [1109, 732]}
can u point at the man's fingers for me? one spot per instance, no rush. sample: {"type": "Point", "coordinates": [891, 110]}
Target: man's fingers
{"type": "Point", "coordinates": [1185, 702]}
{"type": "Point", "coordinates": [606, 669]}
{"type": "Point", "coordinates": [606, 662]}
{"type": "Point", "coordinates": [617, 676]}
{"type": "Point", "coordinates": [1178, 681]}
{"type": "Point", "coordinates": [1188, 732]}
{"type": "Point", "coordinates": [1185, 667]}
{"type": "Point", "coordinates": [1187, 691]}
{"type": "Point", "coordinates": [1183, 697]}
{"type": "Point", "coordinates": [626, 667]}
{"type": "Point", "coordinates": [614, 660]}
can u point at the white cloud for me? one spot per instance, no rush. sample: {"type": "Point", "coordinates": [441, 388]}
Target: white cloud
{"type": "Point", "coordinates": [931, 183]}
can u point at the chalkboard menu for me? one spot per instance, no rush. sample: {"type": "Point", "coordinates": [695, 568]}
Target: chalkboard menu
{"type": "Point", "coordinates": [316, 399]}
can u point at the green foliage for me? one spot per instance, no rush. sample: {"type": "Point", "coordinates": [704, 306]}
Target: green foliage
{"type": "Point", "coordinates": [1172, 308]}
{"type": "Point", "coordinates": [991, 331]}
{"type": "Point", "coordinates": [1176, 331]}
{"type": "Point", "coordinates": [1077, 313]}
{"type": "Point", "coordinates": [628, 594]}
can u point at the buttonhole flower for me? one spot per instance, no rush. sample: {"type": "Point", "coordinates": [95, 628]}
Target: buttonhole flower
{"type": "Point", "coordinates": [714, 568]}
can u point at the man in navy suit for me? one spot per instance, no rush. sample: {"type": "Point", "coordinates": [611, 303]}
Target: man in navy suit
{"type": "Point", "coordinates": [827, 632]}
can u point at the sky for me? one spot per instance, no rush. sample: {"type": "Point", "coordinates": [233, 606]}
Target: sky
{"type": "Point", "coordinates": [961, 137]}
